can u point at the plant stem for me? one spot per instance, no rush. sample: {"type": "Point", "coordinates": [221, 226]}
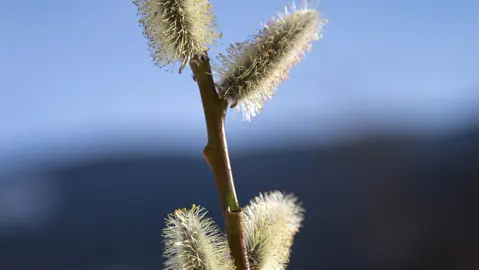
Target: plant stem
{"type": "Point", "coordinates": [216, 155]}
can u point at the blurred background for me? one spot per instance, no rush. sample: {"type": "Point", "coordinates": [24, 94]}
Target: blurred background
{"type": "Point", "coordinates": [376, 131]}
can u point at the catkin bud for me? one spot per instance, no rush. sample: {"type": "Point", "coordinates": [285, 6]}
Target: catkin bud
{"type": "Point", "coordinates": [176, 29]}
{"type": "Point", "coordinates": [194, 242]}
{"type": "Point", "coordinates": [271, 222]}
{"type": "Point", "coordinates": [252, 70]}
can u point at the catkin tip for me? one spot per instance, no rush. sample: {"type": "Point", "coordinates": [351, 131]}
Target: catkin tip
{"type": "Point", "coordinates": [177, 30]}
{"type": "Point", "coordinates": [251, 71]}
{"type": "Point", "coordinates": [193, 242]}
{"type": "Point", "coordinates": [271, 222]}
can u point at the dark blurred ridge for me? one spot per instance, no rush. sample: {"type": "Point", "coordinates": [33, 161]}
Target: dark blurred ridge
{"type": "Point", "coordinates": [381, 203]}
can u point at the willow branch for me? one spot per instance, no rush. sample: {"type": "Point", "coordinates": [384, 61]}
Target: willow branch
{"type": "Point", "coordinates": [216, 155]}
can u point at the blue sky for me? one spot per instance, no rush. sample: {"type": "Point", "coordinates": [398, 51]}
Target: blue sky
{"type": "Point", "coordinates": [77, 74]}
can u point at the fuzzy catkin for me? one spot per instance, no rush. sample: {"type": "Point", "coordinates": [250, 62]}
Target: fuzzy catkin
{"type": "Point", "coordinates": [177, 30]}
{"type": "Point", "coordinates": [194, 242]}
{"type": "Point", "coordinates": [252, 70]}
{"type": "Point", "coordinates": [271, 222]}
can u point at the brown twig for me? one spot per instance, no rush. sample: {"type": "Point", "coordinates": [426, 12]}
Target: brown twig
{"type": "Point", "coordinates": [216, 154]}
